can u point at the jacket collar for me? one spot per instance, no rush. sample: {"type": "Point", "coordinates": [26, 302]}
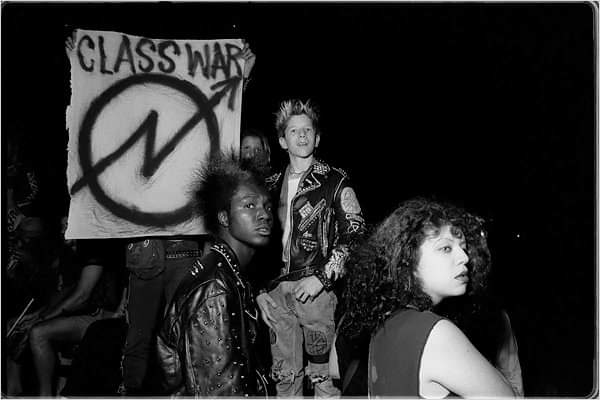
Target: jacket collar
{"type": "Point", "coordinates": [310, 180]}
{"type": "Point", "coordinates": [313, 177]}
{"type": "Point", "coordinates": [221, 247]}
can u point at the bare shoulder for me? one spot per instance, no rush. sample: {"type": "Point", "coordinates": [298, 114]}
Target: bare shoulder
{"type": "Point", "coordinates": [444, 333]}
{"type": "Point", "coordinates": [449, 359]}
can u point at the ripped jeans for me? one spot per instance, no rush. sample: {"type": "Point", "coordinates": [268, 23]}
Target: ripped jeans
{"type": "Point", "coordinates": [310, 324]}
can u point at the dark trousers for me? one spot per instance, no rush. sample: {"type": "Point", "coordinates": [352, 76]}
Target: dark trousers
{"type": "Point", "coordinates": [146, 304]}
{"type": "Point", "coordinates": [95, 371]}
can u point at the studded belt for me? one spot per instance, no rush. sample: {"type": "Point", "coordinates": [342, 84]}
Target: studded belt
{"type": "Point", "coordinates": [183, 254]}
{"type": "Point", "coordinates": [292, 276]}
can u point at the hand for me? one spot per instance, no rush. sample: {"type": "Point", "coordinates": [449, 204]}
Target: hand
{"type": "Point", "coordinates": [249, 58]}
{"type": "Point", "coordinates": [120, 312]}
{"type": "Point", "coordinates": [308, 288]}
{"type": "Point", "coordinates": [31, 317]}
{"type": "Point", "coordinates": [266, 304]}
{"type": "Point", "coordinates": [25, 323]}
{"type": "Point", "coordinates": [70, 43]}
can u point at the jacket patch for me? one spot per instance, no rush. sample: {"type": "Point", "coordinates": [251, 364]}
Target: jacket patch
{"type": "Point", "coordinates": [310, 214]}
{"type": "Point", "coordinates": [306, 210]}
{"type": "Point", "coordinates": [349, 201]}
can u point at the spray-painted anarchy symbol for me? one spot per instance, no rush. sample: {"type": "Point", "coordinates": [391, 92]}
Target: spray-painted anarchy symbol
{"type": "Point", "coordinates": [152, 160]}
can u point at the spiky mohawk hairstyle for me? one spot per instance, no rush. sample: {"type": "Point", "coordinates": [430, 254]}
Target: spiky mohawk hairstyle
{"type": "Point", "coordinates": [289, 108]}
{"type": "Point", "coordinates": [217, 182]}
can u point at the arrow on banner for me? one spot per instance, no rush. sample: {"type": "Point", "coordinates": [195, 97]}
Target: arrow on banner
{"type": "Point", "coordinates": [147, 129]}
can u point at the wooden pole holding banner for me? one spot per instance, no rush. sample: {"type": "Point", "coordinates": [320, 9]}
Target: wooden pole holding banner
{"type": "Point", "coordinates": [20, 317]}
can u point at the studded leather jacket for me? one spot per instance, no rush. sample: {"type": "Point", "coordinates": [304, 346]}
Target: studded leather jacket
{"type": "Point", "coordinates": [325, 219]}
{"type": "Point", "coordinates": [205, 343]}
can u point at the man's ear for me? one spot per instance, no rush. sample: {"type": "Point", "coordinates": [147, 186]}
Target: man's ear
{"type": "Point", "coordinates": [283, 143]}
{"type": "Point", "coordinates": [223, 218]}
{"type": "Point", "coordinates": [317, 140]}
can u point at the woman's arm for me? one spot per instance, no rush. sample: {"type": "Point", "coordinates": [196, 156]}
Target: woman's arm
{"type": "Point", "coordinates": [450, 360]}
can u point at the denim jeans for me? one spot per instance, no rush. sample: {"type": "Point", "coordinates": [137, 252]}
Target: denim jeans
{"type": "Point", "coordinates": [145, 307]}
{"type": "Point", "coordinates": [302, 326]}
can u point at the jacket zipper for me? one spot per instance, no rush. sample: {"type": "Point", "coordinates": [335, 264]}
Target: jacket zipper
{"type": "Point", "coordinates": [291, 206]}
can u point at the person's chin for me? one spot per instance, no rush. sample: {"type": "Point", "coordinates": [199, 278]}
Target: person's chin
{"type": "Point", "coordinates": [462, 289]}
{"type": "Point", "coordinates": [304, 153]}
{"type": "Point", "coordinates": [261, 240]}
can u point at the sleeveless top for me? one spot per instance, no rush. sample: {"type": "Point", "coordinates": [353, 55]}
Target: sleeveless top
{"type": "Point", "coordinates": [395, 353]}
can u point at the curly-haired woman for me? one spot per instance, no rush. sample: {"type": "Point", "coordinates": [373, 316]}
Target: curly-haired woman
{"type": "Point", "coordinates": [421, 254]}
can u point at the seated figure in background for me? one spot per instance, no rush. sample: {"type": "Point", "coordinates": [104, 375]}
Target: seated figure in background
{"type": "Point", "coordinates": [96, 295]}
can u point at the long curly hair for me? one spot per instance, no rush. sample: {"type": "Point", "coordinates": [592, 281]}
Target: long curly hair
{"type": "Point", "coordinates": [217, 183]}
{"type": "Point", "coordinates": [380, 271]}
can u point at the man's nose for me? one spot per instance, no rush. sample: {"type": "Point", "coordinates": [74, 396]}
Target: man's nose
{"type": "Point", "coordinates": [264, 214]}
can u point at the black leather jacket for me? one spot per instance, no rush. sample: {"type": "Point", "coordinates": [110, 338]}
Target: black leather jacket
{"type": "Point", "coordinates": [326, 219]}
{"type": "Point", "coordinates": [205, 343]}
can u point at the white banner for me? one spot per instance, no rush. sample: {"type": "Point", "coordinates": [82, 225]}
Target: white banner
{"type": "Point", "coordinates": [145, 114]}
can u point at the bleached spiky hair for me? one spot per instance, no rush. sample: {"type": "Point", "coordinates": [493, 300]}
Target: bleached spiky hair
{"type": "Point", "coordinates": [289, 108]}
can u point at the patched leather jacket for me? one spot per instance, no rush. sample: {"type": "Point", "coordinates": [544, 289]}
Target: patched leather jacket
{"type": "Point", "coordinates": [326, 219]}
{"type": "Point", "coordinates": [205, 343]}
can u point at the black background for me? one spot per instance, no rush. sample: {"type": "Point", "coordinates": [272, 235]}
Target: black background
{"type": "Point", "coordinates": [490, 106]}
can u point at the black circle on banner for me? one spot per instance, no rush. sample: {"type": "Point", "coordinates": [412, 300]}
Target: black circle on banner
{"type": "Point", "coordinates": [134, 215]}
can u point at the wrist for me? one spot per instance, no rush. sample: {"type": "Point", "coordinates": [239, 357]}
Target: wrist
{"type": "Point", "coordinates": [325, 281]}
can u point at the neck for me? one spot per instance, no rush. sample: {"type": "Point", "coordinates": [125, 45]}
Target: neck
{"type": "Point", "coordinates": [298, 164]}
{"type": "Point", "coordinates": [243, 252]}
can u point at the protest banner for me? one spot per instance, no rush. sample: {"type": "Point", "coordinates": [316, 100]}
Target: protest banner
{"type": "Point", "coordinates": [145, 115]}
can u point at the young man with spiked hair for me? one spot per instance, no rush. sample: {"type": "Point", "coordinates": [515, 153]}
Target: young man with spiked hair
{"type": "Point", "coordinates": [320, 218]}
{"type": "Point", "coordinates": [206, 343]}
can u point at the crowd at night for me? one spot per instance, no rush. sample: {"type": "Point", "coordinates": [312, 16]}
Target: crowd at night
{"type": "Point", "coordinates": [374, 146]}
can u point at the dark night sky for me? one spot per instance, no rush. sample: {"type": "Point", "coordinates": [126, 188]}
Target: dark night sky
{"type": "Point", "coordinates": [490, 106]}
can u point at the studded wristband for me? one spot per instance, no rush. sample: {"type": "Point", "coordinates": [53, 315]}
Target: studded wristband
{"type": "Point", "coordinates": [327, 283]}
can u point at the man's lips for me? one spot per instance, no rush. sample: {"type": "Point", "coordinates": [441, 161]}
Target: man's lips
{"type": "Point", "coordinates": [264, 230]}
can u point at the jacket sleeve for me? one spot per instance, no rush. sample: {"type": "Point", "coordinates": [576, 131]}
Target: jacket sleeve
{"type": "Point", "coordinates": [349, 226]}
{"type": "Point", "coordinates": [168, 354]}
{"type": "Point", "coordinates": [213, 343]}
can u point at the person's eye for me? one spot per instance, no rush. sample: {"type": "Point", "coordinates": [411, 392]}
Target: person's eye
{"type": "Point", "coordinates": [446, 249]}
{"type": "Point", "coordinates": [250, 205]}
